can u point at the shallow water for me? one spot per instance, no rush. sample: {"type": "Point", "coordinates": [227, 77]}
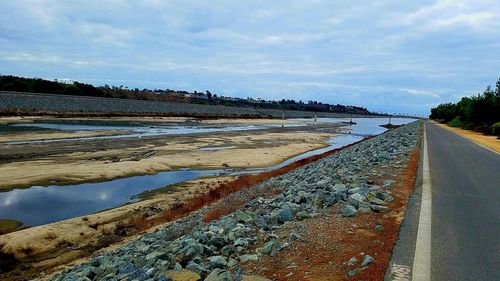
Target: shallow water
{"type": "Point", "coordinates": [40, 205]}
{"type": "Point", "coordinates": [137, 131]}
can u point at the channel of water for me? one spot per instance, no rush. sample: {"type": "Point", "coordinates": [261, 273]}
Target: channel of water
{"type": "Point", "coordinates": [45, 204]}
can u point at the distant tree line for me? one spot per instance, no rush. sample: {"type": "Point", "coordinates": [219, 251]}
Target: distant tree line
{"type": "Point", "coordinates": [37, 85]}
{"type": "Point", "coordinates": [480, 112]}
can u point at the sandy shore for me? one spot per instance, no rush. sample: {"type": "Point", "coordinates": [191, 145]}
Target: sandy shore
{"type": "Point", "coordinates": [250, 150]}
{"type": "Point", "coordinates": [56, 135]}
{"type": "Point", "coordinates": [60, 242]}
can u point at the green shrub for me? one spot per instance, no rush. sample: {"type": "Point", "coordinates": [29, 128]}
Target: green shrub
{"type": "Point", "coordinates": [485, 129]}
{"type": "Point", "coordinates": [495, 129]}
{"type": "Point", "coordinates": [455, 122]}
{"type": "Point", "coordinates": [469, 126]}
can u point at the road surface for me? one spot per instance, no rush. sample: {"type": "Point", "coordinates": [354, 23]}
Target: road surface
{"type": "Point", "coordinates": [451, 229]}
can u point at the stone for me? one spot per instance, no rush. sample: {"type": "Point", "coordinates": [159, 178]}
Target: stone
{"type": "Point", "coordinates": [285, 215]}
{"type": "Point", "coordinates": [157, 255]}
{"type": "Point", "coordinates": [352, 261]}
{"type": "Point", "coordinates": [377, 201]}
{"type": "Point", "coordinates": [243, 242]}
{"type": "Point", "coordinates": [272, 247]}
{"type": "Point", "coordinates": [319, 200]}
{"type": "Point", "coordinates": [196, 267]}
{"type": "Point", "coordinates": [301, 197]}
{"type": "Point", "coordinates": [217, 261]}
{"type": "Point", "coordinates": [364, 207]}
{"type": "Point", "coordinates": [243, 217]}
{"type": "Point", "coordinates": [388, 183]}
{"type": "Point", "coordinates": [248, 257]}
{"type": "Point", "coordinates": [355, 271]}
{"type": "Point", "coordinates": [302, 216]}
{"type": "Point", "coordinates": [219, 275]}
{"type": "Point", "coordinates": [379, 209]}
{"type": "Point", "coordinates": [367, 259]}
{"type": "Point", "coordinates": [349, 211]}
{"type": "Point", "coordinates": [182, 275]}
{"type": "Point", "coordinates": [150, 272]}
{"type": "Point", "coordinates": [355, 199]}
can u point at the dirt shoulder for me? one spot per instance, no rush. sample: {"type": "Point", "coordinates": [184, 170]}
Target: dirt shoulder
{"type": "Point", "coordinates": [490, 142]}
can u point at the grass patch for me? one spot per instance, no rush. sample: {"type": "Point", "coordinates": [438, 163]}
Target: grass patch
{"type": "Point", "coordinates": [455, 123]}
{"type": "Point", "coordinates": [7, 225]}
{"type": "Point", "coordinates": [7, 260]}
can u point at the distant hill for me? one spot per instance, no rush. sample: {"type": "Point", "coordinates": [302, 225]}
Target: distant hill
{"type": "Point", "coordinates": [37, 85]}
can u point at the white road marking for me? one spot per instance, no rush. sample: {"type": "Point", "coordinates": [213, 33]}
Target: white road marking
{"type": "Point", "coordinates": [422, 260]}
{"type": "Point", "coordinates": [400, 272]}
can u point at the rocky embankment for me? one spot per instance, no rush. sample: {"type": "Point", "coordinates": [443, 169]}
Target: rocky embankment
{"type": "Point", "coordinates": [216, 250]}
{"type": "Point", "coordinates": [14, 103]}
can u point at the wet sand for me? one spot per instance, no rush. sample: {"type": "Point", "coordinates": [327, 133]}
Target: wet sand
{"type": "Point", "coordinates": [73, 162]}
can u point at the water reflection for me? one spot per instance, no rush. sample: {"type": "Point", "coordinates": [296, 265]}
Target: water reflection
{"type": "Point", "coordinates": [40, 205]}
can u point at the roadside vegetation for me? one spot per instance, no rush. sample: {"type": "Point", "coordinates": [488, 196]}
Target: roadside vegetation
{"type": "Point", "coordinates": [480, 113]}
{"type": "Point", "coordinates": [37, 85]}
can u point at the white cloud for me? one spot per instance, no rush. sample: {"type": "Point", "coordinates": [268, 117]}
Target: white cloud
{"type": "Point", "coordinates": [380, 54]}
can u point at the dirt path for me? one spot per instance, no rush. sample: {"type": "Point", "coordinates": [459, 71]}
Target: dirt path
{"type": "Point", "coordinates": [490, 142]}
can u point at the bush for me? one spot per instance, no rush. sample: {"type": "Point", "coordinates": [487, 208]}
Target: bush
{"type": "Point", "coordinates": [455, 123]}
{"type": "Point", "coordinates": [469, 126]}
{"type": "Point", "coordinates": [495, 129]}
{"type": "Point", "coordinates": [485, 129]}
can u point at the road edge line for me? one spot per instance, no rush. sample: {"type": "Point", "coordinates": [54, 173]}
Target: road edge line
{"type": "Point", "coordinates": [422, 259]}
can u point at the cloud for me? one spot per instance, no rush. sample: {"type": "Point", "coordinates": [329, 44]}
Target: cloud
{"type": "Point", "coordinates": [385, 55]}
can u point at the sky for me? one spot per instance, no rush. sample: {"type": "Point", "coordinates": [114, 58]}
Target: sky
{"type": "Point", "coordinates": [388, 56]}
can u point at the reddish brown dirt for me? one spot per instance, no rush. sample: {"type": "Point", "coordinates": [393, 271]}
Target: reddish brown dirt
{"type": "Point", "coordinates": [329, 241]}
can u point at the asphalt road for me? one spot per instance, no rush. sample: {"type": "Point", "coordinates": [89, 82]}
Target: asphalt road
{"type": "Point", "coordinates": [465, 227]}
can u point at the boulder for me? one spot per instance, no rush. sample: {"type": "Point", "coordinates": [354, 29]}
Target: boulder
{"type": "Point", "coordinates": [217, 261]}
{"type": "Point", "coordinates": [349, 211]}
{"type": "Point", "coordinates": [219, 275]}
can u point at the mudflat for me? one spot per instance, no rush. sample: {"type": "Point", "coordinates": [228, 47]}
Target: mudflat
{"type": "Point", "coordinates": [25, 165]}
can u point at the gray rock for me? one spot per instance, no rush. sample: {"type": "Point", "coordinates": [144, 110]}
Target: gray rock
{"type": "Point", "coordinates": [355, 271]}
{"type": "Point", "coordinates": [285, 215]}
{"type": "Point", "coordinates": [248, 257]}
{"type": "Point", "coordinates": [302, 215]}
{"type": "Point", "coordinates": [364, 207]}
{"type": "Point", "coordinates": [157, 255]}
{"type": "Point", "coordinates": [355, 199]}
{"type": "Point", "coordinates": [379, 209]}
{"type": "Point", "coordinates": [367, 259]}
{"type": "Point", "coordinates": [349, 211]}
{"type": "Point", "coordinates": [243, 242]}
{"type": "Point", "coordinates": [219, 275]}
{"type": "Point", "coordinates": [319, 200]}
{"type": "Point", "coordinates": [352, 261]}
{"type": "Point", "coordinates": [150, 272]}
{"type": "Point", "coordinates": [243, 217]}
{"type": "Point", "coordinates": [377, 201]}
{"type": "Point", "coordinates": [388, 183]}
{"type": "Point", "coordinates": [196, 267]}
{"type": "Point", "coordinates": [217, 261]}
